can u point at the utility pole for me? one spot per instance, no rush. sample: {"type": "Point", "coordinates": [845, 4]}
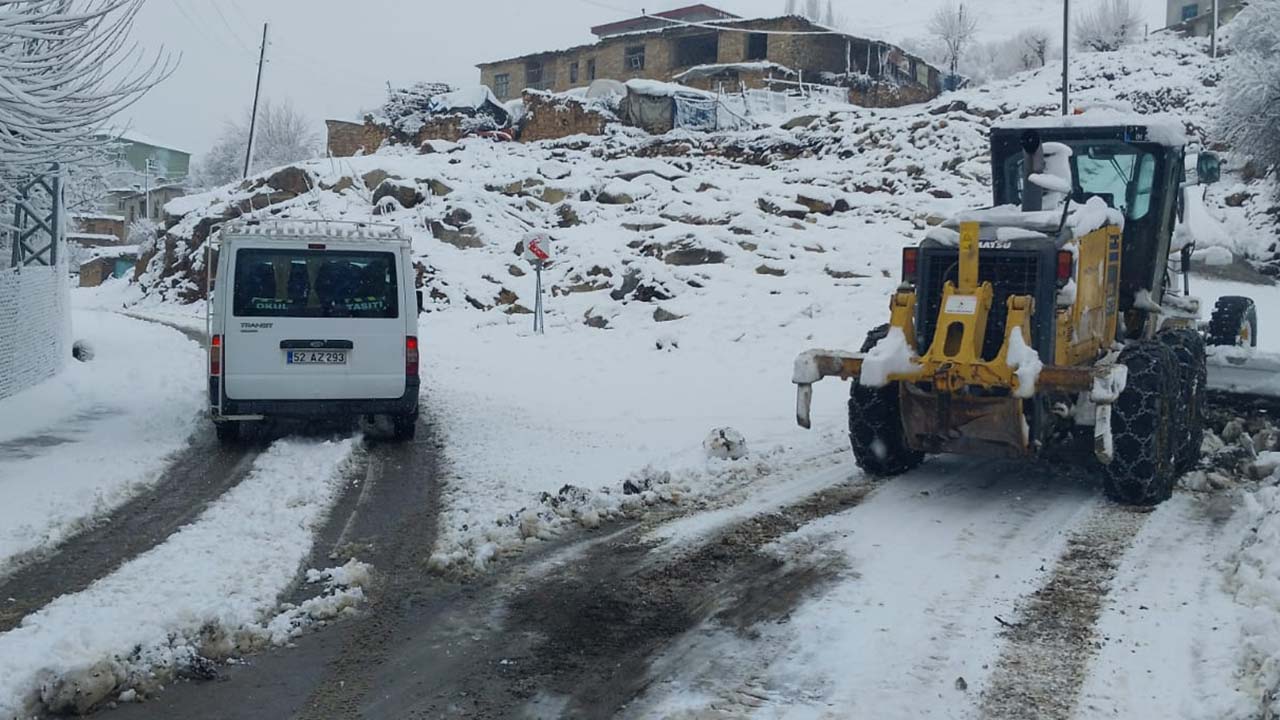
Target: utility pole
{"type": "Point", "coordinates": [257, 93]}
{"type": "Point", "coordinates": [1213, 36]}
{"type": "Point", "coordinates": [146, 190]}
{"type": "Point", "coordinates": [1066, 57]}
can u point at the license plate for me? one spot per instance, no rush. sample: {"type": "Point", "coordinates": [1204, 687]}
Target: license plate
{"type": "Point", "coordinates": [317, 357]}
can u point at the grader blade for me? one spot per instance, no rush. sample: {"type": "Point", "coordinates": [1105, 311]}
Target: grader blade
{"type": "Point", "coordinates": [1243, 374]}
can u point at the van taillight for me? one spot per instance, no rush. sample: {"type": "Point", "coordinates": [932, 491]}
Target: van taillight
{"type": "Point", "coordinates": [215, 356]}
{"type": "Point", "coordinates": [411, 356]}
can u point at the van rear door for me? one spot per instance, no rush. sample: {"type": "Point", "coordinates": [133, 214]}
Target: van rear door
{"type": "Point", "coordinates": [315, 322]}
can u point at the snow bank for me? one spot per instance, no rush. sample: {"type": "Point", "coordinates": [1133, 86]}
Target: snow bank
{"type": "Point", "coordinates": [62, 443]}
{"type": "Point", "coordinates": [1256, 582]}
{"type": "Point", "coordinates": [205, 592]}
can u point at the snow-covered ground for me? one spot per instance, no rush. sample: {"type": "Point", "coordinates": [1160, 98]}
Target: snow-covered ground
{"type": "Point", "coordinates": [207, 593]}
{"type": "Point", "coordinates": [689, 273]}
{"type": "Point", "coordinates": [76, 446]}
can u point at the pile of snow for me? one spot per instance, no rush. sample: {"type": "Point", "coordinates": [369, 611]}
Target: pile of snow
{"type": "Point", "coordinates": [891, 356]}
{"type": "Point", "coordinates": [61, 458]}
{"type": "Point", "coordinates": [1256, 582]}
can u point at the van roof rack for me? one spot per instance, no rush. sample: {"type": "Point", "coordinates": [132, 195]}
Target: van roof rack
{"type": "Point", "coordinates": [337, 229]}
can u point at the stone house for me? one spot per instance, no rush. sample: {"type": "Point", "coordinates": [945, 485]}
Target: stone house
{"type": "Point", "coordinates": [1195, 17]}
{"type": "Point", "coordinates": [728, 53]}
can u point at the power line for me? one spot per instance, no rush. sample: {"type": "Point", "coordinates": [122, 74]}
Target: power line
{"type": "Point", "coordinates": [234, 35]}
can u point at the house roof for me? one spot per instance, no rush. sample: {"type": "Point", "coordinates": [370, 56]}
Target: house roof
{"type": "Point", "coordinates": [729, 24]}
{"type": "Point", "coordinates": [644, 21]}
{"type": "Point", "coordinates": [137, 138]}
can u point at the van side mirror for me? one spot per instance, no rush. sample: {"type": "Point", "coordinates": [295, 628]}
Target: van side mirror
{"type": "Point", "coordinates": [422, 304]}
{"type": "Point", "coordinates": [1209, 168]}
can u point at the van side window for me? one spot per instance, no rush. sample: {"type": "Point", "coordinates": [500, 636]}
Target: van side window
{"type": "Point", "coordinates": [315, 284]}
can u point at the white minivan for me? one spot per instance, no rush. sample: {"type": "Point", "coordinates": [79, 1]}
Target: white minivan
{"type": "Point", "coordinates": [313, 320]}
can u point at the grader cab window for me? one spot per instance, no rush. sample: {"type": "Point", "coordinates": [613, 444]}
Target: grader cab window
{"type": "Point", "coordinates": [1121, 175]}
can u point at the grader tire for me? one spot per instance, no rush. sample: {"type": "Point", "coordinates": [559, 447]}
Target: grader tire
{"type": "Point", "coordinates": [1234, 322]}
{"type": "Point", "coordinates": [1188, 350]}
{"type": "Point", "coordinates": [875, 424]}
{"type": "Point", "coordinates": [1143, 428]}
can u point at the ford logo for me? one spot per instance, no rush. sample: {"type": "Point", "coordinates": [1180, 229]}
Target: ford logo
{"type": "Point", "coordinates": [317, 343]}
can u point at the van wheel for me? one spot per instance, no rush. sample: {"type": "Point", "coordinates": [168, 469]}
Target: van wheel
{"type": "Point", "coordinates": [229, 431]}
{"type": "Point", "coordinates": [404, 427]}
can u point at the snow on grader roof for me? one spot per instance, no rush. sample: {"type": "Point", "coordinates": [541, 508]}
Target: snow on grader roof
{"type": "Point", "coordinates": [1162, 129]}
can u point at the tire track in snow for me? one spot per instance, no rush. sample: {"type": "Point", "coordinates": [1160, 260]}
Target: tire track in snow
{"type": "Point", "coordinates": [932, 556]}
{"type": "Point", "coordinates": [203, 593]}
{"type": "Point", "coordinates": [1048, 648]}
{"type": "Point", "coordinates": [197, 476]}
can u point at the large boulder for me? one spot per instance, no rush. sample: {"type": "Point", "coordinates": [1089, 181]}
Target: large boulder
{"type": "Point", "coordinates": [407, 195]}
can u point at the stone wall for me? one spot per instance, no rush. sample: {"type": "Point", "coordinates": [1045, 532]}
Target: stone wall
{"type": "Point", "coordinates": [35, 326]}
{"type": "Point", "coordinates": [888, 95]}
{"type": "Point", "coordinates": [348, 139]}
{"type": "Point", "coordinates": [549, 117]}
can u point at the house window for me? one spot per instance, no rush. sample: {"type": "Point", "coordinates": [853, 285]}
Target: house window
{"type": "Point", "coordinates": [635, 58]}
{"type": "Point", "coordinates": [1190, 10]}
{"type": "Point", "coordinates": [698, 50]}
{"type": "Point", "coordinates": [757, 46]}
{"type": "Point", "coordinates": [573, 73]}
{"type": "Point", "coordinates": [502, 86]}
{"type": "Point", "coordinates": [591, 69]}
{"type": "Point", "coordinates": [533, 75]}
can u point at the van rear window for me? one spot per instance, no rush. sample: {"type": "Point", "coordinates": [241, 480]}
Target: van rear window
{"type": "Point", "coordinates": [315, 284]}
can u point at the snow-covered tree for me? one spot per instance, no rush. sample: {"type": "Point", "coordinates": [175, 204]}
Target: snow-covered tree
{"type": "Point", "coordinates": [792, 7]}
{"type": "Point", "coordinates": [284, 135]}
{"type": "Point", "coordinates": [954, 25]}
{"type": "Point", "coordinates": [1110, 25]}
{"type": "Point", "coordinates": [1250, 114]}
{"type": "Point", "coordinates": [1034, 46]}
{"type": "Point", "coordinates": [67, 67]}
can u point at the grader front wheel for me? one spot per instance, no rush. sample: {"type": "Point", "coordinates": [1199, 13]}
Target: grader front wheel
{"type": "Point", "coordinates": [875, 425]}
{"type": "Point", "coordinates": [1144, 428]}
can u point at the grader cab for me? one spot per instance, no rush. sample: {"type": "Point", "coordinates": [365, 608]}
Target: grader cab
{"type": "Point", "coordinates": [1052, 323]}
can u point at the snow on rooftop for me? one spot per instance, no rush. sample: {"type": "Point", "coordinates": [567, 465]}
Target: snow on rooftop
{"type": "Point", "coordinates": [473, 98]}
{"type": "Point", "coordinates": [656, 88]}
{"type": "Point", "coordinates": [134, 136]}
{"type": "Point", "coordinates": [704, 70]}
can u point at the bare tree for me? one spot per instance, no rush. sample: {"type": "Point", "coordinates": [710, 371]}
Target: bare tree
{"type": "Point", "coordinates": [284, 136]}
{"type": "Point", "coordinates": [1110, 25]}
{"type": "Point", "coordinates": [1251, 85]}
{"type": "Point", "coordinates": [67, 67]}
{"type": "Point", "coordinates": [1035, 45]}
{"type": "Point", "coordinates": [955, 26]}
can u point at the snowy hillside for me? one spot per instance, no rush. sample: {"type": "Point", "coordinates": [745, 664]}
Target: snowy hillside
{"type": "Point", "coordinates": [689, 270]}
{"type": "Point", "coordinates": [779, 238]}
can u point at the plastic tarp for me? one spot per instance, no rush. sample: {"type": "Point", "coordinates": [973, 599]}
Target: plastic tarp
{"type": "Point", "coordinates": [653, 114]}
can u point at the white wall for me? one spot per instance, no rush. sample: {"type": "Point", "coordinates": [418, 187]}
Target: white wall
{"type": "Point", "coordinates": [35, 326]}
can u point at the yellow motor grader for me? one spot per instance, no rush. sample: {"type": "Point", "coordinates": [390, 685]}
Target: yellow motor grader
{"type": "Point", "coordinates": [1053, 322]}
